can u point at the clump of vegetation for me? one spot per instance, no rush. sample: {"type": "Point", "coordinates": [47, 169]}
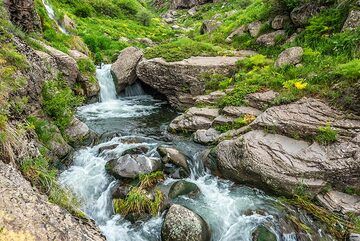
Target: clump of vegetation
{"type": "Point", "coordinates": [238, 123]}
{"type": "Point", "coordinates": [43, 129]}
{"type": "Point", "coordinates": [326, 135]}
{"type": "Point", "coordinates": [150, 180]}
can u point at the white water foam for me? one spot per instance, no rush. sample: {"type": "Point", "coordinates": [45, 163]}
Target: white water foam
{"type": "Point", "coordinates": [51, 13]}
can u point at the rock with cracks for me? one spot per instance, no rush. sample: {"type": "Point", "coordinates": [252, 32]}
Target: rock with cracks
{"type": "Point", "coordinates": [290, 56]}
{"type": "Point", "coordinates": [182, 224]}
{"type": "Point", "coordinates": [206, 137]}
{"type": "Point", "coordinates": [340, 202]}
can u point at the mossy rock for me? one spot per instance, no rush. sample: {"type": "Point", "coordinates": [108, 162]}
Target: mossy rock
{"type": "Point", "coordinates": [263, 234]}
{"type": "Point", "coordinates": [182, 187]}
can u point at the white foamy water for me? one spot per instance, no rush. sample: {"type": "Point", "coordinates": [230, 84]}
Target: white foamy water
{"type": "Point", "coordinates": [51, 13]}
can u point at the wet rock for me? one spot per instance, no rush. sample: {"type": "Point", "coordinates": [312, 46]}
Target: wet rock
{"type": "Point", "coordinates": [340, 202]}
{"type": "Point", "coordinates": [282, 164]}
{"type": "Point", "coordinates": [25, 211]}
{"type": "Point", "coordinates": [222, 120]}
{"type": "Point", "coordinates": [209, 99]}
{"type": "Point", "coordinates": [238, 111]}
{"type": "Point", "coordinates": [263, 234]}
{"type": "Point", "coordinates": [109, 147]}
{"type": "Point", "coordinates": [280, 22]}
{"type": "Point", "coordinates": [181, 81]}
{"type": "Point", "coordinates": [136, 150]}
{"type": "Point", "coordinates": [175, 172]}
{"type": "Point", "coordinates": [209, 26]}
{"type": "Point", "coordinates": [301, 15]}
{"type": "Point", "coordinates": [124, 69]}
{"type": "Point", "coordinates": [254, 28]}
{"type": "Point", "coordinates": [121, 192]}
{"type": "Point", "coordinates": [354, 237]}
{"type": "Point", "coordinates": [290, 56]}
{"type": "Point", "coordinates": [182, 187]}
{"type": "Point", "coordinates": [194, 119]}
{"type": "Point", "coordinates": [91, 89]}
{"type": "Point", "coordinates": [304, 118]}
{"type": "Point", "coordinates": [237, 32]}
{"type": "Point", "coordinates": [138, 217]}
{"type": "Point", "coordinates": [270, 39]}
{"type": "Point", "coordinates": [77, 132]}
{"type": "Point", "coordinates": [260, 100]}
{"type": "Point", "coordinates": [182, 224]}
{"type": "Point", "coordinates": [353, 20]}
{"type": "Point", "coordinates": [206, 137]}
{"type": "Point", "coordinates": [130, 166]}
{"type": "Point", "coordinates": [174, 156]}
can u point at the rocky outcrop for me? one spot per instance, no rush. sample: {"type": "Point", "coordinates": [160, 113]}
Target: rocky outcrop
{"type": "Point", "coordinates": [290, 56]}
{"type": "Point", "coordinates": [260, 100]}
{"type": "Point", "coordinates": [23, 14]}
{"type": "Point", "coordinates": [181, 81]}
{"type": "Point", "coordinates": [209, 26]}
{"type": "Point", "coordinates": [304, 118]}
{"type": "Point", "coordinates": [270, 39]}
{"type": "Point", "coordinates": [186, 4]}
{"type": "Point", "coordinates": [206, 137]}
{"type": "Point", "coordinates": [194, 119]}
{"type": "Point", "coordinates": [237, 111]}
{"type": "Point", "coordinates": [209, 99]}
{"type": "Point", "coordinates": [283, 164]}
{"type": "Point", "coordinates": [182, 224]}
{"type": "Point", "coordinates": [353, 20]}
{"type": "Point", "coordinates": [301, 15]}
{"type": "Point", "coordinates": [340, 202]}
{"type": "Point", "coordinates": [130, 166]}
{"type": "Point", "coordinates": [23, 210]}
{"type": "Point", "coordinates": [124, 69]}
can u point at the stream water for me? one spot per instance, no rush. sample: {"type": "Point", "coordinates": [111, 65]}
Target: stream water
{"type": "Point", "coordinates": [133, 119]}
{"type": "Point", "coordinates": [51, 13]}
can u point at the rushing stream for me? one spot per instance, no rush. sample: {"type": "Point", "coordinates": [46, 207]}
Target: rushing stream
{"type": "Point", "coordinates": [232, 211]}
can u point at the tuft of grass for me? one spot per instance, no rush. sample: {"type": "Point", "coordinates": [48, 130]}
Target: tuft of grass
{"type": "Point", "coordinates": [150, 180]}
{"type": "Point", "coordinates": [326, 135]}
{"type": "Point", "coordinates": [238, 123]}
{"type": "Point", "coordinates": [42, 128]}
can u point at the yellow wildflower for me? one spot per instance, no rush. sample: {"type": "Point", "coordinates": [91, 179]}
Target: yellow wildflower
{"type": "Point", "coordinates": [300, 85]}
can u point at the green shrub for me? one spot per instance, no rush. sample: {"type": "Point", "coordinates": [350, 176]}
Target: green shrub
{"type": "Point", "coordinates": [150, 180]}
{"type": "Point", "coordinates": [86, 66]}
{"type": "Point", "coordinates": [144, 17]}
{"type": "Point", "coordinates": [238, 123]}
{"type": "Point", "coordinates": [349, 70]}
{"type": "Point", "coordinates": [83, 11]}
{"type": "Point", "coordinates": [326, 135]}
{"type": "Point", "coordinates": [43, 129]}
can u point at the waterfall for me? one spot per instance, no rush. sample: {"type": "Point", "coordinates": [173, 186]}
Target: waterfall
{"type": "Point", "coordinates": [51, 14]}
{"type": "Point", "coordinates": [133, 90]}
{"type": "Point", "coordinates": [107, 86]}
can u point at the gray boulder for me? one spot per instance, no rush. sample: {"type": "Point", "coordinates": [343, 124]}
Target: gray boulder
{"type": "Point", "coordinates": [290, 56]}
{"type": "Point", "coordinates": [181, 81]}
{"type": "Point", "coordinates": [353, 20]}
{"type": "Point", "coordinates": [130, 166]}
{"type": "Point", "coordinates": [78, 131]}
{"type": "Point", "coordinates": [340, 202]}
{"type": "Point", "coordinates": [237, 111]}
{"type": "Point", "coordinates": [260, 100]}
{"type": "Point", "coordinates": [174, 156]}
{"type": "Point", "coordinates": [209, 26]}
{"type": "Point", "coordinates": [182, 224]}
{"type": "Point", "coordinates": [254, 28]}
{"type": "Point", "coordinates": [280, 22]}
{"type": "Point", "coordinates": [206, 137]}
{"type": "Point", "coordinates": [301, 15]}
{"type": "Point", "coordinates": [270, 39]}
{"type": "Point", "coordinates": [284, 164]}
{"type": "Point", "coordinates": [182, 187]}
{"type": "Point", "coordinates": [222, 120]}
{"type": "Point", "coordinates": [304, 118]}
{"type": "Point", "coordinates": [124, 69]}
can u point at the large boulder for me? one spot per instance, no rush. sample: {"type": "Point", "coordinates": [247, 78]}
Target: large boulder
{"type": "Point", "coordinates": [130, 166]}
{"type": "Point", "coordinates": [301, 15]}
{"type": "Point", "coordinates": [304, 118]}
{"type": "Point", "coordinates": [340, 202]}
{"type": "Point", "coordinates": [353, 20]}
{"type": "Point", "coordinates": [290, 56]}
{"type": "Point", "coordinates": [194, 119]}
{"type": "Point", "coordinates": [77, 131]}
{"type": "Point", "coordinates": [270, 39]}
{"type": "Point", "coordinates": [181, 81]}
{"type": "Point", "coordinates": [206, 137]}
{"type": "Point", "coordinates": [124, 68]}
{"type": "Point", "coordinates": [283, 164]}
{"type": "Point", "coordinates": [182, 224]}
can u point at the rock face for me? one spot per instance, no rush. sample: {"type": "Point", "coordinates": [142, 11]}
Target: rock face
{"type": "Point", "coordinates": [237, 111]}
{"type": "Point", "coordinates": [186, 4]}
{"type": "Point", "coordinates": [270, 39]}
{"type": "Point", "coordinates": [290, 56]}
{"type": "Point", "coordinates": [282, 164]}
{"type": "Point", "coordinates": [304, 117]}
{"type": "Point", "coordinates": [301, 15]}
{"type": "Point", "coordinates": [353, 20]}
{"type": "Point", "coordinates": [206, 136]}
{"type": "Point", "coordinates": [130, 166]}
{"type": "Point", "coordinates": [181, 81]}
{"type": "Point", "coordinates": [260, 100]}
{"type": "Point", "coordinates": [194, 119]}
{"type": "Point", "coordinates": [23, 14]}
{"type": "Point", "coordinates": [340, 202]}
{"type": "Point", "coordinates": [124, 69]}
{"type": "Point", "coordinates": [22, 209]}
{"type": "Point", "coordinates": [182, 224]}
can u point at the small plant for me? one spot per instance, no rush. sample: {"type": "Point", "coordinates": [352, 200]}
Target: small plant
{"type": "Point", "coordinates": [238, 123]}
{"type": "Point", "coordinates": [86, 66]}
{"type": "Point", "coordinates": [43, 128]}
{"type": "Point", "coordinates": [144, 17]}
{"type": "Point", "coordinates": [150, 180]}
{"type": "Point", "coordinates": [326, 135]}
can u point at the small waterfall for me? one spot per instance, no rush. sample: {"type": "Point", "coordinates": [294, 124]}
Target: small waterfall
{"type": "Point", "coordinates": [107, 86]}
{"type": "Point", "coordinates": [133, 90]}
{"type": "Point", "coordinates": [51, 14]}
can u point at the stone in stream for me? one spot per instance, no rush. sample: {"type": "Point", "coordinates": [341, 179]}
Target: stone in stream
{"type": "Point", "coordinates": [121, 191]}
{"type": "Point", "coordinates": [77, 131]}
{"type": "Point", "coordinates": [207, 137]}
{"type": "Point", "coordinates": [182, 224]}
{"type": "Point", "coordinates": [282, 164]}
{"type": "Point", "coordinates": [107, 148]}
{"type": "Point", "coordinates": [124, 69]}
{"type": "Point", "coordinates": [181, 81]}
{"type": "Point", "coordinates": [174, 156]}
{"type": "Point", "coordinates": [263, 234]}
{"type": "Point", "coordinates": [136, 150]}
{"type": "Point", "coordinates": [182, 187]}
{"type": "Point", "coordinates": [130, 166]}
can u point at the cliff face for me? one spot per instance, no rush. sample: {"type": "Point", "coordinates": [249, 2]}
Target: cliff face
{"type": "Point", "coordinates": [22, 13]}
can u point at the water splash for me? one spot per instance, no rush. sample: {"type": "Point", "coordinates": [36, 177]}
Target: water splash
{"type": "Point", "coordinates": [51, 13]}
{"type": "Point", "coordinates": [106, 82]}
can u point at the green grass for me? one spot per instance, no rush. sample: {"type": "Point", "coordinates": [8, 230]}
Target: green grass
{"type": "Point", "coordinates": [43, 129]}
{"type": "Point", "coordinates": [326, 135]}
{"type": "Point", "coordinates": [150, 180]}
{"type": "Point", "coordinates": [238, 123]}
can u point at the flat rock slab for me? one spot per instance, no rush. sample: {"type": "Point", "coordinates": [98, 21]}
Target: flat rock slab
{"type": "Point", "coordinates": [304, 118]}
{"type": "Point", "coordinates": [282, 163]}
{"type": "Point", "coordinates": [260, 100]}
{"type": "Point", "coordinates": [238, 111]}
{"type": "Point", "coordinates": [340, 202]}
{"type": "Point", "coordinates": [181, 81]}
{"type": "Point", "coordinates": [209, 99]}
{"type": "Point", "coordinates": [22, 209]}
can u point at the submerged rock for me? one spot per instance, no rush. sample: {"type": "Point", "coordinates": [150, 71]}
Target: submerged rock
{"type": "Point", "coordinates": [263, 234]}
{"type": "Point", "coordinates": [130, 166]}
{"type": "Point", "coordinates": [340, 202]}
{"type": "Point", "coordinates": [182, 224]}
{"type": "Point", "coordinates": [182, 187]}
{"type": "Point", "coordinates": [124, 69]}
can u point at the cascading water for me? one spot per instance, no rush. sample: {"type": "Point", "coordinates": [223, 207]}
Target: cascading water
{"type": "Point", "coordinates": [233, 212]}
{"type": "Point", "coordinates": [51, 13]}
